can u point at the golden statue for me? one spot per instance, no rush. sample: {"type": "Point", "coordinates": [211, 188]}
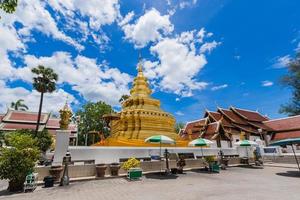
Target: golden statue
{"type": "Point", "coordinates": [140, 118]}
{"type": "Point", "coordinates": [65, 117]}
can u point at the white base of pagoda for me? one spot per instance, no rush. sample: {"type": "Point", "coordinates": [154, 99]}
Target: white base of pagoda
{"type": "Point", "coordinates": [61, 146]}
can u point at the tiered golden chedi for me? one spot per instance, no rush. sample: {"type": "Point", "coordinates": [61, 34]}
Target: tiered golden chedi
{"type": "Point", "coordinates": [140, 118]}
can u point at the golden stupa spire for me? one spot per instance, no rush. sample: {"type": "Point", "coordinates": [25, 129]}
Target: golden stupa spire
{"type": "Point", "coordinates": [140, 85]}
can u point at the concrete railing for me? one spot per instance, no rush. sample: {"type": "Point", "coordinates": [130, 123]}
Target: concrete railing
{"type": "Point", "coordinates": [89, 170]}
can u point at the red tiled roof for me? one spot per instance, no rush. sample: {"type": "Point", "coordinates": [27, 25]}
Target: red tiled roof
{"type": "Point", "coordinates": [53, 123]}
{"type": "Point", "coordinates": [24, 116]}
{"type": "Point", "coordinates": [284, 124]}
{"type": "Point", "coordinates": [249, 115]}
{"type": "Point", "coordinates": [217, 117]}
{"type": "Point", "coordinates": [287, 135]}
{"type": "Point", "coordinates": [18, 126]}
{"type": "Point", "coordinates": [260, 125]}
{"type": "Point", "coordinates": [232, 116]}
{"type": "Point", "coordinates": [1, 117]}
{"type": "Point", "coordinates": [212, 128]}
{"type": "Point", "coordinates": [198, 124]}
{"type": "Point", "coordinates": [247, 128]}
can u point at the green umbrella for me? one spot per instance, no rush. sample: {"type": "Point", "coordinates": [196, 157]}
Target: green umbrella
{"type": "Point", "coordinates": [200, 142]}
{"type": "Point", "coordinates": [246, 143]}
{"type": "Point", "coordinates": [289, 141]}
{"type": "Point", "coordinates": [160, 139]}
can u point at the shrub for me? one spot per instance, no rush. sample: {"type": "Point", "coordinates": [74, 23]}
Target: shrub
{"type": "Point", "coordinates": [18, 160]}
{"type": "Point", "coordinates": [210, 159]}
{"type": "Point", "coordinates": [43, 138]}
{"type": "Point", "coordinates": [131, 163]}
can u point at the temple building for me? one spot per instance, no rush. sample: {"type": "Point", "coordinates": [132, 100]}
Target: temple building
{"type": "Point", "coordinates": [16, 120]}
{"type": "Point", "coordinates": [140, 118]}
{"type": "Point", "coordinates": [227, 126]}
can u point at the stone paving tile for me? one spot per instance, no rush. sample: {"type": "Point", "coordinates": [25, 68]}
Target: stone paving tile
{"type": "Point", "coordinates": [233, 184]}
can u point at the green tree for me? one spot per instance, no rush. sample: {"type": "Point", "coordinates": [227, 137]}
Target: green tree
{"type": "Point", "coordinates": [123, 98]}
{"type": "Point", "coordinates": [44, 82]}
{"type": "Point", "coordinates": [179, 126]}
{"type": "Point", "coordinates": [43, 140]}
{"type": "Point", "coordinates": [90, 120]}
{"type": "Point", "coordinates": [8, 6]}
{"type": "Point", "coordinates": [292, 81]}
{"type": "Point", "coordinates": [18, 160]}
{"type": "Point", "coordinates": [19, 105]}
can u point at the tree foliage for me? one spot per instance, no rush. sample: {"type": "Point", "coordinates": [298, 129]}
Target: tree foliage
{"type": "Point", "coordinates": [292, 80]}
{"type": "Point", "coordinates": [43, 141]}
{"type": "Point", "coordinates": [44, 82]}
{"type": "Point", "coordinates": [8, 6]}
{"type": "Point", "coordinates": [18, 160]}
{"type": "Point", "coordinates": [179, 126]}
{"type": "Point", "coordinates": [19, 105]}
{"type": "Point", "coordinates": [45, 79]}
{"type": "Point", "coordinates": [123, 98]}
{"type": "Point", "coordinates": [90, 119]}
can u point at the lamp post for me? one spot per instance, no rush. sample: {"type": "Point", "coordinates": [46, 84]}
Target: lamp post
{"type": "Point", "coordinates": [65, 179]}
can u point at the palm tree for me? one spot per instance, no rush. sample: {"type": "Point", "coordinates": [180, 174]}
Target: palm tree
{"type": "Point", "coordinates": [18, 105]}
{"type": "Point", "coordinates": [44, 82]}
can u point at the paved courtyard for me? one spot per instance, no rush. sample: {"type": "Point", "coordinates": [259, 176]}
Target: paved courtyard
{"type": "Point", "coordinates": [236, 183]}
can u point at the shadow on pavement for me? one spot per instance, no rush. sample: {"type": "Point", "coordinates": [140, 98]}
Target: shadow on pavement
{"type": "Point", "coordinates": [161, 176]}
{"type": "Point", "coordinates": [250, 166]}
{"type": "Point", "coordinates": [294, 174]}
{"type": "Point", "coordinates": [7, 193]}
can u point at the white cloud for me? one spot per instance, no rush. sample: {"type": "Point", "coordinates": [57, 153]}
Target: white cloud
{"type": "Point", "coordinates": [209, 46]}
{"type": "Point", "coordinates": [179, 113]}
{"type": "Point", "coordinates": [52, 102]}
{"type": "Point", "coordinates": [126, 19]}
{"type": "Point", "coordinates": [99, 12]}
{"type": "Point", "coordinates": [177, 99]}
{"type": "Point", "coordinates": [282, 62]}
{"type": "Point", "coordinates": [148, 28]}
{"type": "Point", "coordinates": [33, 15]}
{"type": "Point", "coordinates": [267, 83]}
{"type": "Point", "coordinates": [187, 3]}
{"type": "Point", "coordinates": [10, 42]}
{"type": "Point", "coordinates": [179, 63]}
{"type": "Point", "coordinates": [93, 81]}
{"type": "Point", "coordinates": [219, 87]}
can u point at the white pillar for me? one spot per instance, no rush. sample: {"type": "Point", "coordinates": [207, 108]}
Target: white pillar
{"type": "Point", "coordinates": [61, 146]}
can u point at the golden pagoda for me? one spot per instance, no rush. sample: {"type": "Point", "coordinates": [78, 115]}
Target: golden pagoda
{"type": "Point", "coordinates": [140, 118]}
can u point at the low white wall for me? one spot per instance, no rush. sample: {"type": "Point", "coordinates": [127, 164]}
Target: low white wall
{"type": "Point", "coordinates": [113, 154]}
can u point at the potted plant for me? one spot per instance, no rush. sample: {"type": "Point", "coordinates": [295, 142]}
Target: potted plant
{"type": "Point", "coordinates": [17, 161]}
{"type": "Point", "coordinates": [100, 169]}
{"type": "Point", "coordinates": [213, 164]}
{"type": "Point", "coordinates": [132, 166]}
{"type": "Point", "coordinates": [55, 172]}
{"type": "Point", "coordinates": [114, 169]}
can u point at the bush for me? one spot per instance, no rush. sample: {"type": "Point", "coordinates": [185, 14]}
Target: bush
{"type": "Point", "coordinates": [131, 163]}
{"type": "Point", "coordinates": [210, 159]}
{"type": "Point", "coordinates": [43, 138]}
{"type": "Point", "coordinates": [18, 160]}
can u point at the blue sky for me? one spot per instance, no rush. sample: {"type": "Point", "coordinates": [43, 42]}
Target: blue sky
{"type": "Point", "coordinates": [197, 54]}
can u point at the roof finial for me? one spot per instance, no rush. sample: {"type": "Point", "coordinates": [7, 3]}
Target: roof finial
{"type": "Point", "coordinates": [140, 68]}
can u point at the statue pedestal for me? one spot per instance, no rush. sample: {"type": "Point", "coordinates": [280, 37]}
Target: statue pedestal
{"type": "Point", "coordinates": [61, 146]}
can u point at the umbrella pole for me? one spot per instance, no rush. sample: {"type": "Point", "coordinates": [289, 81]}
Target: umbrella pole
{"type": "Point", "coordinates": [202, 152]}
{"type": "Point", "coordinates": [295, 156]}
{"type": "Point", "coordinates": [160, 156]}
